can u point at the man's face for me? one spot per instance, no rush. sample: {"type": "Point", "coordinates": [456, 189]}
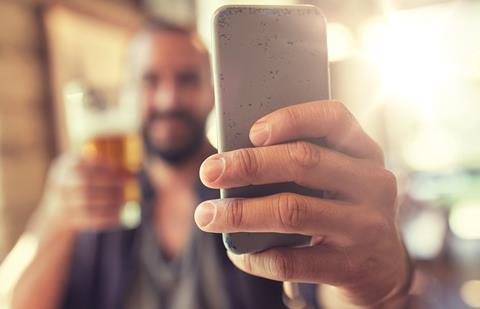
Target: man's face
{"type": "Point", "coordinates": [176, 95]}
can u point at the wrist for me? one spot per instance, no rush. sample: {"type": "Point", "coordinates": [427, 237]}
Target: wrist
{"type": "Point", "coordinates": [331, 298]}
{"type": "Point", "coordinates": [399, 297]}
{"type": "Point", "coordinates": [401, 293]}
{"type": "Point", "coordinates": [48, 222]}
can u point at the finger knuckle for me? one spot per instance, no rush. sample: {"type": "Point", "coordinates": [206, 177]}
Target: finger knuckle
{"type": "Point", "coordinates": [247, 162]}
{"type": "Point", "coordinates": [376, 227]}
{"type": "Point", "coordinates": [234, 213]}
{"type": "Point", "coordinates": [340, 111]}
{"type": "Point", "coordinates": [388, 193]}
{"type": "Point", "coordinates": [291, 116]}
{"type": "Point", "coordinates": [351, 264]}
{"type": "Point", "coordinates": [303, 154]}
{"type": "Point", "coordinates": [359, 267]}
{"type": "Point", "coordinates": [340, 117]}
{"type": "Point", "coordinates": [280, 266]}
{"type": "Point", "coordinates": [247, 263]}
{"type": "Point", "coordinates": [335, 111]}
{"type": "Point", "coordinates": [291, 211]}
{"type": "Point", "coordinates": [378, 152]}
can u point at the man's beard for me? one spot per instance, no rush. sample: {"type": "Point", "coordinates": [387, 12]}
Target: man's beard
{"type": "Point", "coordinates": [174, 155]}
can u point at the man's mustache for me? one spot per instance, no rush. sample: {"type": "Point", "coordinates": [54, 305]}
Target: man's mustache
{"type": "Point", "coordinates": [171, 115]}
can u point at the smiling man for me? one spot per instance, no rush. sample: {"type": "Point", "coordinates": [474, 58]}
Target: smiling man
{"type": "Point", "coordinates": [83, 260]}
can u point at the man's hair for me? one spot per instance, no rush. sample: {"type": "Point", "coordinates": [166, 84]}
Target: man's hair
{"type": "Point", "coordinates": [154, 25]}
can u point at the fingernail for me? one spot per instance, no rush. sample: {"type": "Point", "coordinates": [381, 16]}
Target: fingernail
{"type": "Point", "coordinates": [205, 213]}
{"type": "Point", "coordinates": [213, 168]}
{"type": "Point", "coordinates": [260, 133]}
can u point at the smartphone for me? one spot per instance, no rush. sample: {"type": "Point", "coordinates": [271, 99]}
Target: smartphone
{"type": "Point", "coordinates": [265, 58]}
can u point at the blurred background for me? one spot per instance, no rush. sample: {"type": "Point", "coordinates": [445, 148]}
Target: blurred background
{"type": "Point", "coordinates": [408, 69]}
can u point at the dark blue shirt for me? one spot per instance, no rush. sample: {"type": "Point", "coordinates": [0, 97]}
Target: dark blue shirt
{"type": "Point", "coordinates": [103, 265]}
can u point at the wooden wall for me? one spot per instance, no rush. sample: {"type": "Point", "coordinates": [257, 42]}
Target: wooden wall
{"type": "Point", "coordinates": [30, 120]}
{"type": "Point", "coordinates": [26, 144]}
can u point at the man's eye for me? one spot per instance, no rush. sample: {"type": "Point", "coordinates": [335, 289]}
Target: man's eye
{"type": "Point", "coordinates": [188, 78]}
{"type": "Point", "coordinates": [150, 79]}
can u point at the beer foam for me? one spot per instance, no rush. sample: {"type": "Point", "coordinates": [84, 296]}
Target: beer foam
{"type": "Point", "coordinates": [84, 124]}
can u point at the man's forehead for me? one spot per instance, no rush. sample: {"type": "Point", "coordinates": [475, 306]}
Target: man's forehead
{"type": "Point", "coordinates": [171, 48]}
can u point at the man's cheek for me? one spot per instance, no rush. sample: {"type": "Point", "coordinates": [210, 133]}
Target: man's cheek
{"type": "Point", "coordinates": [146, 108]}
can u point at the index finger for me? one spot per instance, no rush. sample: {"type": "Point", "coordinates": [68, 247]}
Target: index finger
{"type": "Point", "coordinates": [279, 213]}
{"type": "Point", "coordinates": [328, 120]}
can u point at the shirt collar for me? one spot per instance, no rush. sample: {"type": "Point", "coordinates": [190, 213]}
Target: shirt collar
{"type": "Point", "coordinates": [148, 193]}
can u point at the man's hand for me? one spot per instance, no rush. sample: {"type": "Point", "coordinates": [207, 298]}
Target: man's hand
{"type": "Point", "coordinates": [82, 194]}
{"type": "Point", "coordinates": [356, 246]}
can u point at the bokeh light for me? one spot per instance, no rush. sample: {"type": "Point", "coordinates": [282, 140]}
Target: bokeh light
{"type": "Point", "coordinates": [470, 293]}
{"type": "Point", "coordinates": [464, 219]}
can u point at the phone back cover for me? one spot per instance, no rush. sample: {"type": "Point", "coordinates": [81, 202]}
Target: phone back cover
{"type": "Point", "coordinates": [265, 58]}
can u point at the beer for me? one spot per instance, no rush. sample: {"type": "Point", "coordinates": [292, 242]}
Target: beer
{"type": "Point", "coordinates": [122, 152]}
{"type": "Point", "coordinates": [104, 125]}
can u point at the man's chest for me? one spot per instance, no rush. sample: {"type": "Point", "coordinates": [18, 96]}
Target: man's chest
{"type": "Point", "coordinates": [173, 221]}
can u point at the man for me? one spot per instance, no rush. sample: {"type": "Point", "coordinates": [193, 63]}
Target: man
{"type": "Point", "coordinates": [82, 261]}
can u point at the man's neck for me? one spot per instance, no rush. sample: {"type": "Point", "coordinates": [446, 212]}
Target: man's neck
{"type": "Point", "coordinates": [166, 176]}
{"type": "Point", "coordinates": [176, 199]}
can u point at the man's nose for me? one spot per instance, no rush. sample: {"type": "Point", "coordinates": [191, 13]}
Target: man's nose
{"type": "Point", "coordinates": [167, 96]}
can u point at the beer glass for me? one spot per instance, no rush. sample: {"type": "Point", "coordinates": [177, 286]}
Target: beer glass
{"type": "Point", "coordinates": [105, 125]}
